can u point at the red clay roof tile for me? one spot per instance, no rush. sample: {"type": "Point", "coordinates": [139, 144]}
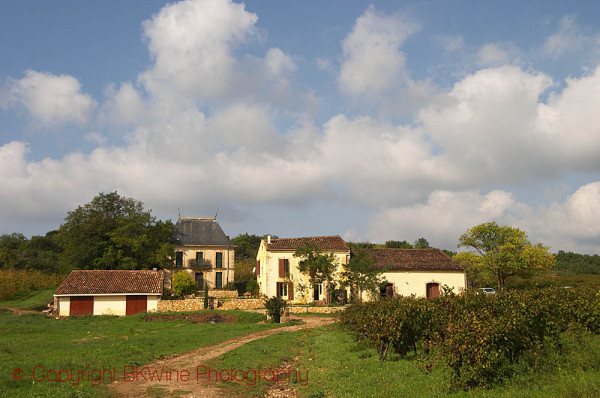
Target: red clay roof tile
{"type": "Point", "coordinates": [111, 281]}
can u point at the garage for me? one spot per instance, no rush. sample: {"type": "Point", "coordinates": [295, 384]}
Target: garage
{"type": "Point", "coordinates": [108, 292]}
{"type": "Point", "coordinates": [82, 305]}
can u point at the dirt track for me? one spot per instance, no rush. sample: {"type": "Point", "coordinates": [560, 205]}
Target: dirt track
{"type": "Point", "coordinates": [189, 361]}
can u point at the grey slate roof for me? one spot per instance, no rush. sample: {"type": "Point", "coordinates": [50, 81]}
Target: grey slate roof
{"type": "Point", "coordinates": [195, 231]}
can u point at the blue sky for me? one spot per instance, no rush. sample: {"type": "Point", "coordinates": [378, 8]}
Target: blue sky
{"type": "Point", "coordinates": [372, 120]}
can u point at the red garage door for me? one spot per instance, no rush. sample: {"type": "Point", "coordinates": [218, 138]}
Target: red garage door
{"type": "Point", "coordinates": [81, 305]}
{"type": "Point", "coordinates": [136, 304]}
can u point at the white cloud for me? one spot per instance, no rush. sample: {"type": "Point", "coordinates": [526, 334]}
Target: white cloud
{"type": "Point", "coordinates": [442, 219]}
{"type": "Point", "coordinates": [192, 45]}
{"type": "Point", "coordinates": [52, 101]}
{"type": "Point", "coordinates": [568, 39]}
{"type": "Point", "coordinates": [571, 225]}
{"type": "Point", "coordinates": [123, 106]}
{"type": "Point", "coordinates": [373, 61]}
{"type": "Point", "coordinates": [492, 54]}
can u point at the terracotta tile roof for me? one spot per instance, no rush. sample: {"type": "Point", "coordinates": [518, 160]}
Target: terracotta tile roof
{"type": "Point", "coordinates": [413, 259]}
{"type": "Point", "coordinates": [322, 242]}
{"type": "Point", "coordinates": [111, 281]}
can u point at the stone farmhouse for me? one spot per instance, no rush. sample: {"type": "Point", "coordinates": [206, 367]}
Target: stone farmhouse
{"type": "Point", "coordinates": [203, 250]}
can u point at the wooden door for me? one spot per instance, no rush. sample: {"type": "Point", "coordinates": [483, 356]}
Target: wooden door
{"type": "Point", "coordinates": [433, 290]}
{"type": "Point", "coordinates": [136, 304]}
{"type": "Point", "coordinates": [200, 280]}
{"type": "Point", "coordinates": [82, 305]}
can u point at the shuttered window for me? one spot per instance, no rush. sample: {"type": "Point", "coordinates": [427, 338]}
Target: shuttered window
{"type": "Point", "coordinates": [218, 280]}
{"type": "Point", "coordinates": [257, 267]}
{"type": "Point", "coordinates": [219, 260]}
{"type": "Point", "coordinates": [199, 259]}
{"type": "Point", "coordinates": [284, 268]}
{"type": "Point", "coordinates": [179, 259]}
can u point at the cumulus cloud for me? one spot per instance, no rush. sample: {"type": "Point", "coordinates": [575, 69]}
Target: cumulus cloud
{"type": "Point", "coordinates": [373, 61]}
{"type": "Point", "coordinates": [573, 224]}
{"type": "Point", "coordinates": [192, 45]}
{"type": "Point", "coordinates": [51, 101]}
{"type": "Point", "coordinates": [210, 125]}
{"type": "Point", "coordinates": [441, 219]}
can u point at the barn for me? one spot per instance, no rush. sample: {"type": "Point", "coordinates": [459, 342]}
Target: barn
{"type": "Point", "coordinates": [108, 292]}
{"type": "Point", "coordinates": [418, 272]}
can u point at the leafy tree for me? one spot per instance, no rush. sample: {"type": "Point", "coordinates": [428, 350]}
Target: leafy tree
{"type": "Point", "coordinates": [505, 250]}
{"type": "Point", "coordinates": [39, 253]}
{"type": "Point", "coordinates": [421, 243]}
{"type": "Point", "coordinates": [113, 232]}
{"type": "Point", "coordinates": [319, 266]}
{"type": "Point", "coordinates": [183, 284]}
{"type": "Point", "coordinates": [396, 244]}
{"type": "Point", "coordinates": [360, 275]}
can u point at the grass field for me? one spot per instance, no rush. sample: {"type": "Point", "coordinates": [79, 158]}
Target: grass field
{"type": "Point", "coordinates": [31, 300]}
{"type": "Point", "coordinates": [338, 367]}
{"type": "Point", "coordinates": [99, 342]}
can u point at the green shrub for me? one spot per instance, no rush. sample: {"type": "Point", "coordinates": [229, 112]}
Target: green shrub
{"type": "Point", "coordinates": [275, 307]}
{"type": "Point", "coordinates": [252, 287]}
{"type": "Point", "coordinates": [480, 338]}
{"type": "Point", "coordinates": [183, 284]}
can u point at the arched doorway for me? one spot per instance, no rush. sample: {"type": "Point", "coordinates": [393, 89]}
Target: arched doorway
{"type": "Point", "coordinates": [433, 290]}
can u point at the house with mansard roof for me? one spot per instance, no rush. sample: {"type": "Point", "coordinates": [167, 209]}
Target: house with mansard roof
{"type": "Point", "coordinates": [203, 250]}
{"type": "Point", "coordinates": [108, 292]}
{"type": "Point", "coordinates": [277, 269]}
{"type": "Point", "coordinates": [418, 272]}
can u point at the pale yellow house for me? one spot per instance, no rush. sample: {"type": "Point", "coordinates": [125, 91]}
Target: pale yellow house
{"type": "Point", "coordinates": [418, 272]}
{"type": "Point", "coordinates": [277, 269]}
{"type": "Point", "coordinates": [203, 250]}
{"type": "Point", "coordinates": [108, 292]}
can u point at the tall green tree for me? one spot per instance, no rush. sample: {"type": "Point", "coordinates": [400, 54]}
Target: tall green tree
{"type": "Point", "coordinates": [114, 232]}
{"type": "Point", "coordinates": [319, 266]}
{"type": "Point", "coordinates": [421, 243]}
{"type": "Point", "coordinates": [360, 275]}
{"type": "Point", "coordinates": [504, 250]}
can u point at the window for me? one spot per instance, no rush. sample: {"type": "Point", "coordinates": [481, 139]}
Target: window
{"type": "Point", "coordinates": [179, 259]}
{"type": "Point", "coordinates": [284, 268]}
{"type": "Point", "coordinates": [257, 267]}
{"type": "Point", "coordinates": [199, 259]}
{"type": "Point", "coordinates": [282, 289]}
{"type": "Point", "coordinates": [218, 280]}
{"type": "Point", "coordinates": [219, 260]}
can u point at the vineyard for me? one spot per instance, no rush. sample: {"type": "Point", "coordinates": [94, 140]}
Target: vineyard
{"type": "Point", "coordinates": [16, 282]}
{"type": "Point", "coordinates": [481, 339]}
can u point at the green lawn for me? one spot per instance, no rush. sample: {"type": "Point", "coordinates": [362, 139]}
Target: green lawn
{"type": "Point", "coordinates": [88, 343]}
{"type": "Point", "coordinates": [31, 300]}
{"type": "Point", "coordinates": [339, 367]}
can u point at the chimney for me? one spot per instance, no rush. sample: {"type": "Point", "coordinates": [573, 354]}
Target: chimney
{"type": "Point", "coordinates": [269, 239]}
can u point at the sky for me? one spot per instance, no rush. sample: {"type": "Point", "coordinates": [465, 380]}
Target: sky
{"type": "Point", "coordinates": [375, 121]}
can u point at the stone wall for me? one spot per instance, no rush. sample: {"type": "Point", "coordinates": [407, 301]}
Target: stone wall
{"type": "Point", "coordinates": [197, 304]}
{"type": "Point", "coordinates": [242, 304]}
{"type": "Point", "coordinates": [222, 293]}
